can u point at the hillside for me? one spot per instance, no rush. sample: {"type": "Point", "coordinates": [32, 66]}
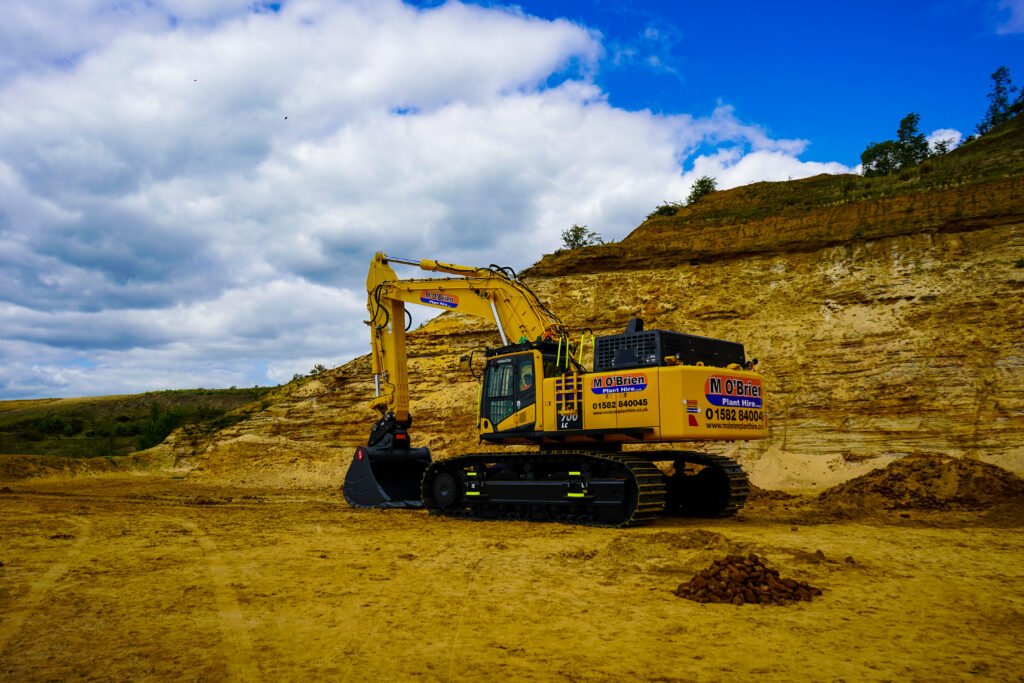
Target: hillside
{"type": "Point", "coordinates": [978, 185]}
{"type": "Point", "coordinates": [100, 433]}
{"type": "Point", "coordinates": [886, 313]}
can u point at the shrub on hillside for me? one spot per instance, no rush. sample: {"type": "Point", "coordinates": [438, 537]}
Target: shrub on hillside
{"type": "Point", "coordinates": [665, 209]}
{"type": "Point", "coordinates": [703, 186]}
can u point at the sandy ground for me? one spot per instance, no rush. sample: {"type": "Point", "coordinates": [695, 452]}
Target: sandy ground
{"type": "Point", "coordinates": [148, 577]}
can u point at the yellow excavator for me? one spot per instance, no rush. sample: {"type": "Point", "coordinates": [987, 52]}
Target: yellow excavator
{"type": "Point", "coordinates": [645, 387]}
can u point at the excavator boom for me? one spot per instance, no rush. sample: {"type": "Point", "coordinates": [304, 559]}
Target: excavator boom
{"type": "Point", "coordinates": [387, 472]}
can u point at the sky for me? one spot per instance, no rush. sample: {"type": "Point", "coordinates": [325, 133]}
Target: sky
{"type": "Point", "coordinates": [191, 190]}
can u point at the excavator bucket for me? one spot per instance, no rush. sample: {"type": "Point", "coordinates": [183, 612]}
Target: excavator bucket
{"type": "Point", "coordinates": [386, 478]}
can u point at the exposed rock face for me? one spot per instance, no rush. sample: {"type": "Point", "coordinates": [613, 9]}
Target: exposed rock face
{"type": "Point", "coordinates": [884, 326]}
{"type": "Point", "coordinates": [899, 345]}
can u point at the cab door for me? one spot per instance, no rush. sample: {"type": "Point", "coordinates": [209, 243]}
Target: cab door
{"type": "Point", "coordinates": [526, 382]}
{"type": "Point", "coordinates": [510, 391]}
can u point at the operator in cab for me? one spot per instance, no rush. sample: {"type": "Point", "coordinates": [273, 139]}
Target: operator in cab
{"type": "Point", "coordinates": [526, 379]}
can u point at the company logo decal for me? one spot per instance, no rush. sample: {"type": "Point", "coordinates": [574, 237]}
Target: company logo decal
{"type": "Point", "coordinates": [617, 384]}
{"type": "Point", "coordinates": [692, 406]}
{"type": "Point", "coordinates": [439, 299]}
{"type": "Point", "coordinates": [733, 392]}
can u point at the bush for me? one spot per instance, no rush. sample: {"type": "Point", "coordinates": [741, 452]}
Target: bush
{"type": "Point", "coordinates": [578, 236]}
{"type": "Point", "coordinates": [704, 186]}
{"type": "Point", "coordinates": [665, 209]}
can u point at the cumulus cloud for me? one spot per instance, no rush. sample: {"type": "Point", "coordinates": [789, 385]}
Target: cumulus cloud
{"type": "Point", "coordinates": [950, 136]}
{"type": "Point", "coordinates": [190, 192]}
{"type": "Point", "coordinates": [731, 167]}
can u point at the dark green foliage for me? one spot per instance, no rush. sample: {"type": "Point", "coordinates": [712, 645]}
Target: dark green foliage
{"type": "Point", "coordinates": [318, 369]}
{"type": "Point", "coordinates": [665, 209]}
{"type": "Point", "coordinates": [907, 151]}
{"type": "Point", "coordinates": [1019, 263]}
{"type": "Point", "coordinates": [1000, 108]}
{"type": "Point", "coordinates": [942, 147]}
{"type": "Point", "coordinates": [703, 186]}
{"type": "Point", "coordinates": [911, 147]}
{"type": "Point", "coordinates": [880, 158]}
{"type": "Point", "coordinates": [109, 426]}
{"type": "Point", "coordinates": [578, 236]}
{"type": "Point", "coordinates": [54, 425]}
{"type": "Point", "coordinates": [161, 422]}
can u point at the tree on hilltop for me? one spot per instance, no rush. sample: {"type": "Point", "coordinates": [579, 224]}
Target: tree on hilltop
{"type": "Point", "coordinates": [879, 158]}
{"type": "Point", "coordinates": [909, 149]}
{"type": "Point", "coordinates": [703, 186]}
{"type": "Point", "coordinates": [578, 236]}
{"type": "Point", "coordinates": [1000, 107]}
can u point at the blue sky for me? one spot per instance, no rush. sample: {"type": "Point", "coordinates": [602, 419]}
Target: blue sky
{"type": "Point", "coordinates": [190, 192]}
{"type": "Point", "coordinates": [837, 74]}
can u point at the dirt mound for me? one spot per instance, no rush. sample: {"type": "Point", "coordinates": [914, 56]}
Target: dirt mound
{"type": "Point", "coordinates": [758, 493]}
{"type": "Point", "coordinates": [927, 483]}
{"type": "Point", "coordinates": [738, 580]}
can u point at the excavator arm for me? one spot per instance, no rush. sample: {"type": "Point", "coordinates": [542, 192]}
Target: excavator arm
{"type": "Point", "coordinates": [490, 293]}
{"type": "Point", "coordinates": [387, 471]}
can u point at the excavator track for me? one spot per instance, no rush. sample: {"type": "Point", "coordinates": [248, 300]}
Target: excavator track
{"type": "Point", "coordinates": [586, 488]}
{"type": "Point", "coordinates": [719, 489]}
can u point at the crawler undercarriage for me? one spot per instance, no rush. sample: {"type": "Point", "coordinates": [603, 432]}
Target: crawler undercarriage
{"type": "Point", "coordinates": [579, 487]}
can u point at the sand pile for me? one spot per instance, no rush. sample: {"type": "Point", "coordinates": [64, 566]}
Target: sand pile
{"type": "Point", "coordinates": [927, 483]}
{"type": "Point", "coordinates": [739, 580]}
{"type": "Point", "coordinates": [758, 493]}
{"type": "Point", "coordinates": [779, 470]}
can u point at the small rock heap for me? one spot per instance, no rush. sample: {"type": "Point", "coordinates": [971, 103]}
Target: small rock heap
{"type": "Point", "coordinates": [739, 580]}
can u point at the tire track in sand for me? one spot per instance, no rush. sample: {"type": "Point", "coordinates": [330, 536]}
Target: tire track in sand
{"type": "Point", "coordinates": [238, 649]}
{"type": "Point", "coordinates": [29, 603]}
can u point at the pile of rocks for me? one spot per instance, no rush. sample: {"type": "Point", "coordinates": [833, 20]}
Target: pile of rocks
{"type": "Point", "coordinates": [739, 580]}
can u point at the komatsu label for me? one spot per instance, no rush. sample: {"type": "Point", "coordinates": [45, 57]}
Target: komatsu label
{"type": "Point", "coordinates": [439, 299]}
{"type": "Point", "coordinates": [617, 384]}
{"type": "Point", "coordinates": [733, 392]}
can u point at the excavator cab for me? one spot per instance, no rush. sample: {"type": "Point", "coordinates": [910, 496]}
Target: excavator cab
{"type": "Point", "coordinates": [386, 473]}
{"type": "Point", "coordinates": [509, 392]}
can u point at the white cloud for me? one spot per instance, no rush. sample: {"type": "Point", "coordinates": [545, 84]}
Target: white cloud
{"type": "Point", "coordinates": [733, 168]}
{"type": "Point", "coordinates": [1015, 21]}
{"type": "Point", "coordinates": [951, 136]}
{"type": "Point", "coordinates": [190, 192]}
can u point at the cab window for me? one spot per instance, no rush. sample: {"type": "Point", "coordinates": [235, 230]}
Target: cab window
{"type": "Point", "coordinates": [500, 392]}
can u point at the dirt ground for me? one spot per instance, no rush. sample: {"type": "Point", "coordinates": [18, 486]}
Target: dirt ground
{"type": "Point", "coordinates": [121, 577]}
